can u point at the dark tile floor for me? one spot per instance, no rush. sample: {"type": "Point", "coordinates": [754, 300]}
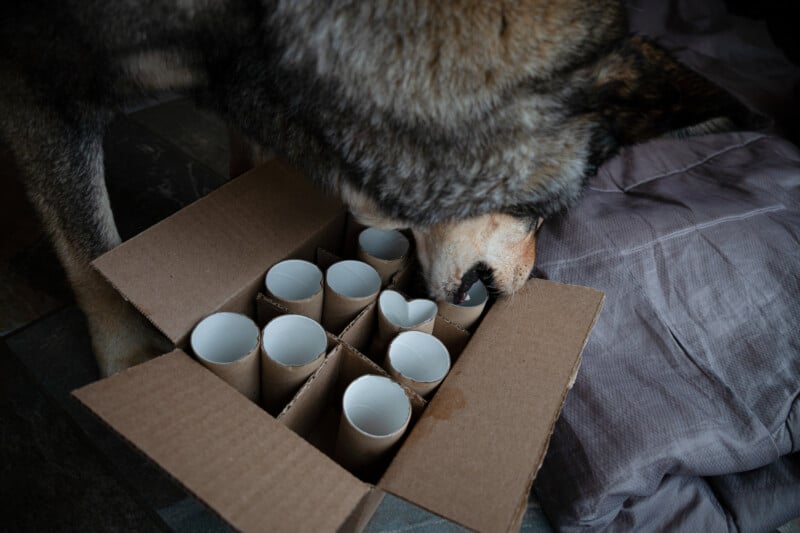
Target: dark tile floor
{"type": "Point", "coordinates": [61, 469]}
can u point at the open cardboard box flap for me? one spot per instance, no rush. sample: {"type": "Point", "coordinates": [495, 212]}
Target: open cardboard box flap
{"type": "Point", "coordinates": [471, 457]}
{"type": "Point", "coordinates": [248, 467]}
{"type": "Point", "coordinates": [473, 454]}
{"type": "Point", "coordinates": [209, 253]}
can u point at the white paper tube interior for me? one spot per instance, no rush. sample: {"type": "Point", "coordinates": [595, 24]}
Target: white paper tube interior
{"type": "Point", "coordinates": [476, 295]}
{"type": "Point", "coordinates": [294, 279]}
{"type": "Point", "coordinates": [293, 340]}
{"type": "Point", "coordinates": [376, 406]}
{"type": "Point", "coordinates": [383, 244]}
{"type": "Point", "coordinates": [353, 279]}
{"type": "Point", "coordinates": [405, 314]}
{"type": "Point", "coordinates": [419, 356]}
{"type": "Point", "coordinates": [224, 337]}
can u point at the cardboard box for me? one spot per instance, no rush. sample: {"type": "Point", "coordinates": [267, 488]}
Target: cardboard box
{"type": "Point", "coordinates": [471, 453]}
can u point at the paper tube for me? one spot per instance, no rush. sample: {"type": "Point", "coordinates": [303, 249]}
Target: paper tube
{"type": "Point", "coordinates": [395, 315]}
{"type": "Point", "coordinates": [350, 286]}
{"type": "Point", "coordinates": [418, 360]}
{"type": "Point", "coordinates": [227, 344]}
{"type": "Point", "coordinates": [385, 250]}
{"type": "Point", "coordinates": [375, 413]}
{"type": "Point", "coordinates": [292, 348]}
{"type": "Point", "coordinates": [469, 311]}
{"type": "Point", "coordinates": [296, 285]}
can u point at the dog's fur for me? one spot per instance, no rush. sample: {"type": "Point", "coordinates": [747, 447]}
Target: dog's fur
{"type": "Point", "coordinates": [465, 120]}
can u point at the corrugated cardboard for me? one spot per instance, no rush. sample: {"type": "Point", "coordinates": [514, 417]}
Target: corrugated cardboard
{"type": "Point", "coordinates": [204, 256]}
{"type": "Point", "coordinates": [233, 456]}
{"type": "Point", "coordinates": [471, 454]}
{"type": "Point", "coordinates": [497, 407]}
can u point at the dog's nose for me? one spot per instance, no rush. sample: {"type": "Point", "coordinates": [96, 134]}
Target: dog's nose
{"type": "Point", "coordinates": [478, 271]}
{"type": "Point", "coordinates": [467, 281]}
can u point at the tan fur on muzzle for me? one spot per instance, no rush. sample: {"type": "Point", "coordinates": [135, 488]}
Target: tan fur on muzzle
{"type": "Point", "coordinates": [507, 245]}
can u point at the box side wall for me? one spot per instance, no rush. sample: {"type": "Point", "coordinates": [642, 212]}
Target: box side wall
{"type": "Point", "coordinates": [473, 454]}
{"type": "Point", "coordinates": [212, 252]}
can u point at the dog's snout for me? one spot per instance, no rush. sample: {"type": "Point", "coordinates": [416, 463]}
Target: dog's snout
{"type": "Point", "coordinates": [467, 281]}
{"type": "Point", "coordinates": [479, 271]}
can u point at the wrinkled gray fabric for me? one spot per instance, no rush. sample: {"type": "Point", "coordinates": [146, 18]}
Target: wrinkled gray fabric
{"type": "Point", "coordinates": [692, 371]}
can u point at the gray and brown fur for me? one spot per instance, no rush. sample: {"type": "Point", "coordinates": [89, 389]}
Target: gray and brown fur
{"type": "Point", "coordinates": [439, 116]}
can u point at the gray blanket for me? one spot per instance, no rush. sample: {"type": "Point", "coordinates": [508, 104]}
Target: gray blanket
{"type": "Point", "coordinates": [693, 369]}
{"type": "Point", "coordinates": [685, 413]}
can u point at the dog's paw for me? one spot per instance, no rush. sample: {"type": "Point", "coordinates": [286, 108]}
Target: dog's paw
{"type": "Point", "coordinates": [121, 336]}
{"type": "Point", "coordinates": [125, 339]}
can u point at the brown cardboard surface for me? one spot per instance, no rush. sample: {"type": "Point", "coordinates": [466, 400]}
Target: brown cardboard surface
{"type": "Point", "coordinates": [210, 251]}
{"type": "Point", "coordinates": [496, 409]}
{"type": "Point", "coordinates": [325, 259]}
{"type": "Point", "coordinates": [305, 409]}
{"type": "Point", "coordinates": [360, 331]}
{"type": "Point", "coordinates": [451, 335]}
{"type": "Point", "coordinates": [360, 518]}
{"type": "Point", "coordinates": [471, 455]}
{"type": "Point", "coordinates": [248, 467]}
{"type": "Point", "coordinates": [267, 309]}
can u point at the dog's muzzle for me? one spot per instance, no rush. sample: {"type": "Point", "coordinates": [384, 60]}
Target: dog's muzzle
{"type": "Point", "coordinates": [479, 271]}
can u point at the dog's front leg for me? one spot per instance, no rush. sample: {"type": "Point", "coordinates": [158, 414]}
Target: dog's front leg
{"type": "Point", "coordinates": [62, 163]}
{"type": "Point", "coordinates": [245, 154]}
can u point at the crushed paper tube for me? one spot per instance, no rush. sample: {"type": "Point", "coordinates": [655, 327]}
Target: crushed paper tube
{"type": "Point", "coordinates": [227, 345]}
{"type": "Point", "coordinates": [297, 286]}
{"type": "Point", "coordinates": [396, 314]}
{"type": "Point", "coordinates": [418, 360]}
{"type": "Point", "coordinates": [350, 286]}
{"type": "Point", "coordinates": [375, 414]}
{"type": "Point", "coordinates": [469, 311]}
{"type": "Point", "coordinates": [385, 250]}
{"type": "Point", "coordinates": [292, 348]}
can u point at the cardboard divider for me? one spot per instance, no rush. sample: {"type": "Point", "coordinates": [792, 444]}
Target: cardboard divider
{"type": "Point", "coordinates": [326, 258]}
{"type": "Point", "coordinates": [360, 331]}
{"type": "Point", "coordinates": [267, 309]}
{"type": "Point", "coordinates": [303, 412]}
{"type": "Point", "coordinates": [315, 412]}
{"type": "Point", "coordinates": [453, 337]}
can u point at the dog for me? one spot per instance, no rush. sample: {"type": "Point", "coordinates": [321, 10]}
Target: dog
{"type": "Point", "coordinates": [466, 121]}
